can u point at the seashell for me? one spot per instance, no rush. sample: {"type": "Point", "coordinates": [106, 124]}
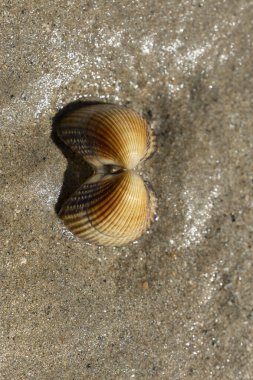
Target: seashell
{"type": "Point", "coordinates": [116, 208]}
{"type": "Point", "coordinates": [113, 210]}
{"type": "Point", "coordinates": [107, 134]}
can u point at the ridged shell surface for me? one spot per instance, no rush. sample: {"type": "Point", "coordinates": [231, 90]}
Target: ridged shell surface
{"type": "Point", "coordinates": [113, 211]}
{"type": "Point", "coordinates": [107, 134]}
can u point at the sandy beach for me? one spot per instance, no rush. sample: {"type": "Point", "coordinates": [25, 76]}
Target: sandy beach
{"type": "Point", "coordinates": [177, 304]}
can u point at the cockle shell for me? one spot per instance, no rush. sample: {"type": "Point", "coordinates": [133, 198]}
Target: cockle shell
{"type": "Point", "coordinates": [112, 211]}
{"type": "Point", "coordinates": [116, 208]}
{"type": "Point", "coordinates": [107, 134]}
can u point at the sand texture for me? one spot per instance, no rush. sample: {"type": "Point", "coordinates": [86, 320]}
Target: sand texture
{"type": "Point", "coordinates": [178, 303]}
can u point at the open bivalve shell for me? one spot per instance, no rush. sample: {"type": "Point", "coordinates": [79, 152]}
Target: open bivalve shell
{"type": "Point", "coordinates": [116, 208]}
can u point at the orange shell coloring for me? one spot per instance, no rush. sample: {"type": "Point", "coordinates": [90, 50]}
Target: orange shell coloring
{"type": "Point", "coordinates": [117, 208]}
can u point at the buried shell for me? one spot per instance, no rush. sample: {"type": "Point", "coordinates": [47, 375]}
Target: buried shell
{"type": "Point", "coordinates": [107, 134]}
{"type": "Point", "coordinates": [112, 211]}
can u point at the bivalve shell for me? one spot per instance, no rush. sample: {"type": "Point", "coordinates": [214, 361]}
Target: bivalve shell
{"type": "Point", "coordinates": [107, 134]}
{"type": "Point", "coordinates": [112, 211]}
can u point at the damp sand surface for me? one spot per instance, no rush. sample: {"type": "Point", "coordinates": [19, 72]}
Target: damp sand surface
{"type": "Point", "coordinates": [178, 303]}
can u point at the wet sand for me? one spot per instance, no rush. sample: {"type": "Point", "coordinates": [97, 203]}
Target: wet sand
{"type": "Point", "coordinates": [178, 303]}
